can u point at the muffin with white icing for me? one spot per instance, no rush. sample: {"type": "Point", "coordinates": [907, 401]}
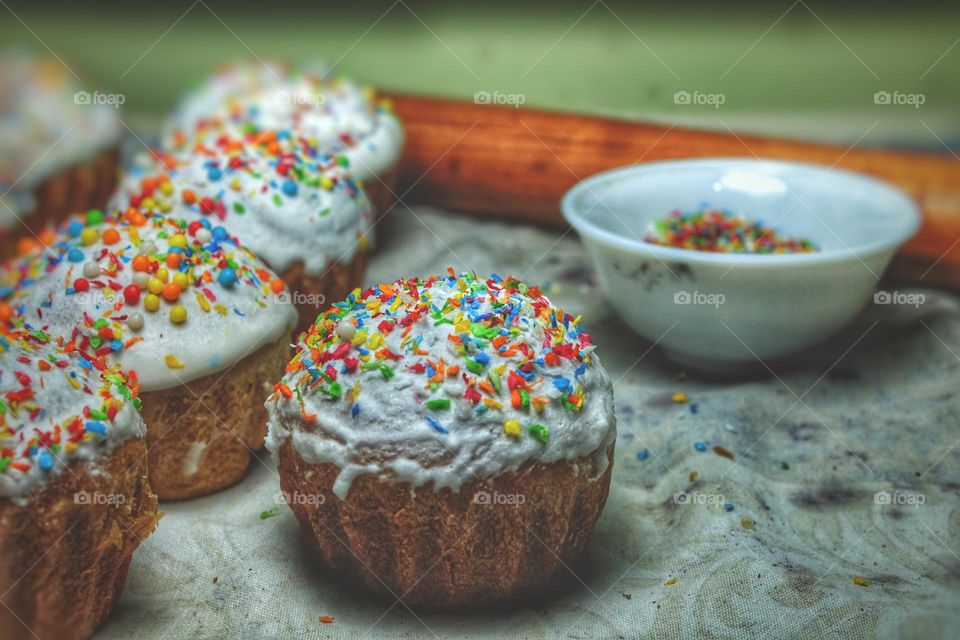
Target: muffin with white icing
{"type": "Point", "coordinates": [58, 140]}
{"type": "Point", "coordinates": [294, 205]}
{"type": "Point", "coordinates": [333, 113]}
{"type": "Point", "coordinates": [453, 435]}
{"type": "Point", "coordinates": [74, 497]}
{"type": "Point", "coordinates": [196, 319]}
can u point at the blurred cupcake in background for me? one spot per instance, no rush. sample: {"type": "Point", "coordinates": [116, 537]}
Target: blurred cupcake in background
{"type": "Point", "coordinates": [293, 204]}
{"type": "Point", "coordinates": [332, 113]}
{"type": "Point", "coordinates": [59, 141]}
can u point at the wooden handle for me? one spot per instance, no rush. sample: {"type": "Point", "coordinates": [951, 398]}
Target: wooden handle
{"type": "Point", "coordinates": [518, 163]}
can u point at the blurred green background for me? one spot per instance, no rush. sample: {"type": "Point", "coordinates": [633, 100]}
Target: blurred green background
{"type": "Point", "coordinates": [808, 69]}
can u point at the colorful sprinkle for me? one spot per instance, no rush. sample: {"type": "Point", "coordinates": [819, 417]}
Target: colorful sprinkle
{"type": "Point", "coordinates": [438, 404]}
{"type": "Point", "coordinates": [506, 350]}
{"type": "Point", "coordinates": [723, 452]}
{"type": "Point", "coordinates": [227, 277]}
{"type": "Point", "coordinates": [178, 314]}
{"type": "Point", "coordinates": [270, 513]}
{"type": "Point", "coordinates": [436, 425]}
{"type": "Point", "coordinates": [37, 428]}
{"type": "Point", "coordinates": [539, 432]}
{"type": "Point", "coordinates": [124, 263]}
{"type": "Point", "coordinates": [719, 231]}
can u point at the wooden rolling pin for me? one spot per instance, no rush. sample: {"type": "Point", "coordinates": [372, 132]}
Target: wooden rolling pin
{"type": "Point", "coordinates": [518, 163]}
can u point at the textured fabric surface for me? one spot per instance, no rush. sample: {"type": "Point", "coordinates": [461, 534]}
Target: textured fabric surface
{"type": "Point", "coordinates": [858, 478]}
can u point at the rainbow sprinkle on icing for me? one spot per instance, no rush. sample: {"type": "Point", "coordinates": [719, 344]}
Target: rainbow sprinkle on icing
{"type": "Point", "coordinates": [287, 199]}
{"type": "Point", "coordinates": [333, 111]}
{"type": "Point", "coordinates": [107, 284]}
{"type": "Point", "coordinates": [502, 344]}
{"type": "Point", "coordinates": [55, 401]}
{"type": "Point", "coordinates": [278, 163]}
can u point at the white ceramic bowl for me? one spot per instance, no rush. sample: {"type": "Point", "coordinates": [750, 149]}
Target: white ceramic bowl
{"type": "Point", "coordinates": [717, 310]}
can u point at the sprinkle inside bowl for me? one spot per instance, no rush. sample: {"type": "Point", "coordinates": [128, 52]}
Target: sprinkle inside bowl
{"type": "Point", "coordinates": [721, 231]}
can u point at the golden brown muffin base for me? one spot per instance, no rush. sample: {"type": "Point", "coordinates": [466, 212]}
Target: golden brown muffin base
{"type": "Point", "coordinates": [79, 187]}
{"type": "Point", "coordinates": [446, 549]}
{"type": "Point", "coordinates": [333, 284]}
{"type": "Point", "coordinates": [215, 421]}
{"type": "Point", "coordinates": [65, 560]}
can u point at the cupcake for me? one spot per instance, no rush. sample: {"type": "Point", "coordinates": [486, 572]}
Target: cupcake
{"type": "Point", "coordinates": [58, 142]}
{"type": "Point", "coordinates": [332, 113]}
{"type": "Point", "coordinates": [295, 206]}
{"type": "Point", "coordinates": [74, 497]}
{"type": "Point", "coordinates": [199, 322]}
{"type": "Point", "coordinates": [453, 435]}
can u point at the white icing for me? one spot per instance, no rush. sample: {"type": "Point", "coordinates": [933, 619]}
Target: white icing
{"type": "Point", "coordinates": [317, 225]}
{"type": "Point", "coordinates": [44, 124]}
{"type": "Point", "coordinates": [326, 111]}
{"type": "Point", "coordinates": [59, 402]}
{"type": "Point", "coordinates": [336, 114]}
{"type": "Point", "coordinates": [250, 315]}
{"type": "Point", "coordinates": [391, 436]}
